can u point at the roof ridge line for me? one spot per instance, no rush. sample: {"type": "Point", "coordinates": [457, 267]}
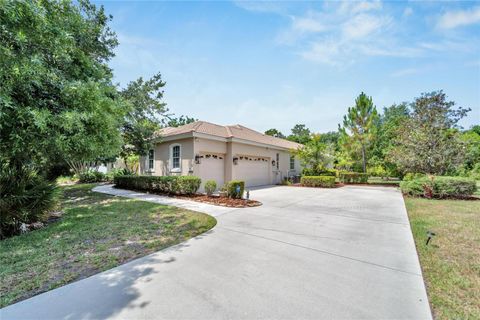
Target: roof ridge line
{"type": "Point", "coordinates": [228, 131]}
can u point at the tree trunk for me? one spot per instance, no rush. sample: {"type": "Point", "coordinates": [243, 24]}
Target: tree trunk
{"type": "Point", "coordinates": [364, 161]}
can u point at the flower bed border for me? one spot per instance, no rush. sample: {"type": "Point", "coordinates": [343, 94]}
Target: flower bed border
{"type": "Point", "coordinates": [202, 198]}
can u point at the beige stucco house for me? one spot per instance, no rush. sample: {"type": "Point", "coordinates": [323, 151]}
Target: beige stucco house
{"type": "Point", "coordinates": [221, 153]}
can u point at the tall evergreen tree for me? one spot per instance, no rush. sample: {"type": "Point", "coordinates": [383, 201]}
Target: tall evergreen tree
{"type": "Point", "coordinates": [359, 127]}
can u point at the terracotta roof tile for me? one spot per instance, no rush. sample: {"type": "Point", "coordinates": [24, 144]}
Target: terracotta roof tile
{"type": "Point", "coordinates": [233, 131]}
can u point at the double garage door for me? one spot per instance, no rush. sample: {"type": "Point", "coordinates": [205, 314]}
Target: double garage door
{"type": "Point", "coordinates": [255, 171]}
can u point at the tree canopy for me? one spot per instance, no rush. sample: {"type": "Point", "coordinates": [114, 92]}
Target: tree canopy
{"type": "Point", "coordinates": [57, 99]}
{"type": "Point", "coordinates": [145, 114]}
{"type": "Point", "coordinates": [300, 134]}
{"type": "Point", "coordinates": [359, 127]}
{"type": "Point", "coordinates": [275, 133]}
{"type": "Point", "coordinates": [428, 141]}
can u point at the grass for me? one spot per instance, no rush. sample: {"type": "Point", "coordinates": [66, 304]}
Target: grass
{"type": "Point", "coordinates": [451, 262]}
{"type": "Point", "coordinates": [97, 232]}
{"type": "Point", "coordinates": [66, 180]}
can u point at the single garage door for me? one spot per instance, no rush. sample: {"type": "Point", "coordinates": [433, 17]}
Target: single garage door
{"type": "Point", "coordinates": [212, 168]}
{"type": "Point", "coordinates": [253, 170]}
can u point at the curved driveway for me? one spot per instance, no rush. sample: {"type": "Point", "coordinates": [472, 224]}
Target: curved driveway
{"type": "Point", "coordinates": [344, 253]}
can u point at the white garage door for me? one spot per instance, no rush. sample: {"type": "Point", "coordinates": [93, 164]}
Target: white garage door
{"type": "Point", "coordinates": [254, 171]}
{"type": "Point", "coordinates": [212, 168]}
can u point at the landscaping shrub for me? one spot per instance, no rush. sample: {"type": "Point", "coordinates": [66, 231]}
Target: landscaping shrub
{"type": "Point", "coordinates": [411, 176]}
{"type": "Point", "coordinates": [210, 187]}
{"type": "Point", "coordinates": [25, 197]}
{"type": "Point", "coordinates": [90, 176]}
{"type": "Point", "coordinates": [453, 186]}
{"type": "Point", "coordinates": [475, 172]}
{"type": "Point", "coordinates": [187, 184]}
{"type": "Point", "coordinates": [161, 184]}
{"type": "Point", "coordinates": [232, 189]}
{"type": "Point", "coordinates": [318, 181]}
{"type": "Point", "coordinates": [352, 177]}
{"type": "Point", "coordinates": [116, 172]}
{"type": "Point", "coordinates": [319, 172]}
{"type": "Point", "coordinates": [439, 187]}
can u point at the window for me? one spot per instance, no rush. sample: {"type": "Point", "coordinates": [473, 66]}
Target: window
{"type": "Point", "coordinates": [176, 157]}
{"type": "Point", "coordinates": [278, 161]}
{"type": "Point", "coordinates": [292, 162]}
{"type": "Point", "coordinates": [151, 157]}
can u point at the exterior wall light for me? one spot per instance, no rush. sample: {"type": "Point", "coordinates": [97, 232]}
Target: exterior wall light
{"type": "Point", "coordinates": [235, 161]}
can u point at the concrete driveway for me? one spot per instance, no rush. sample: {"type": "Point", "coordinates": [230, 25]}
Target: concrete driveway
{"type": "Point", "coordinates": [344, 253]}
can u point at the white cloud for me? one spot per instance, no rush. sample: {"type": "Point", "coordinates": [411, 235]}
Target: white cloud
{"type": "Point", "coordinates": [308, 24]}
{"type": "Point", "coordinates": [454, 19]}
{"type": "Point", "coordinates": [363, 25]}
{"type": "Point", "coordinates": [324, 52]}
{"type": "Point", "coordinates": [352, 7]}
{"type": "Point", "coordinates": [407, 12]}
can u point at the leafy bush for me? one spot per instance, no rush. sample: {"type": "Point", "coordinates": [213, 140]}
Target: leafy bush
{"type": "Point", "coordinates": [319, 172]}
{"type": "Point", "coordinates": [377, 171]}
{"type": "Point", "coordinates": [117, 172]}
{"type": "Point", "coordinates": [352, 177]}
{"type": "Point", "coordinates": [475, 172]}
{"type": "Point", "coordinates": [25, 197]}
{"type": "Point", "coordinates": [453, 186]}
{"type": "Point", "coordinates": [187, 184]}
{"type": "Point", "coordinates": [161, 184]}
{"type": "Point", "coordinates": [210, 187]}
{"type": "Point", "coordinates": [318, 181]}
{"type": "Point", "coordinates": [411, 176]}
{"type": "Point", "coordinates": [90, 176]}
{"type": "Point", "coordinates": [439, 187]}
{"type": "Point", "coordinates": [232, 189]}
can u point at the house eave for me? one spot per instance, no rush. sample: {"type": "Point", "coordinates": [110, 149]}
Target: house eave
{"type": "Point", "coordinates": [217, 138]}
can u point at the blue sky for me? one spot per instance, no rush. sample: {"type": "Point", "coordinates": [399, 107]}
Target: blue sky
{"type": "Point", "coordinates": [274, 64]}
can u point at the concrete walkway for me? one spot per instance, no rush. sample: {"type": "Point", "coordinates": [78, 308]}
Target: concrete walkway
{"type": "Point", "coordinates": [345, 253]}
{"type": "Point", "coordinates": [186, 204]}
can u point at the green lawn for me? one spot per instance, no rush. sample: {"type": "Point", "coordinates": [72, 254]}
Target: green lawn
{"type": "Point", "coordinates": [96, 233]}
{"type": "Point", "coordinates": [451, 264]}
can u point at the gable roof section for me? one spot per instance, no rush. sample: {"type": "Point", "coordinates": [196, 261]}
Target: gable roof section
{"type": "Point", "coordinates": [232, 133]}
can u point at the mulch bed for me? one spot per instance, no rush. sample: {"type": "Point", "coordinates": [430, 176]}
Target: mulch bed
{"type": "Point", "coordinates": [214, 199]}
{"type": "Point", "coordinates": [221, 201]}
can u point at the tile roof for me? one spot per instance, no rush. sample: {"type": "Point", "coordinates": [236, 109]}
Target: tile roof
{"type": "Point", "coordinates": [234, 131]}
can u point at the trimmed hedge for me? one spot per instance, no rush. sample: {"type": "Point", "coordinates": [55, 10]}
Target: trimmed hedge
{"type": "Point", "coordinates": [318, 181]}
{"type": "Point", "coordinates": [210, 187]}
{"type": "Point", "coordinates": [232, 189]}
{"type": "Point", "coordinates": [187, 184]}
{"type": "Point", "coordinates": [439, 187]}
{"type": "Point", "coordinates": [352, 177]}
{"type": "Point", "coordinates": [161, 184]}
{"type": "Point", "coordinates": [319, 172]}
